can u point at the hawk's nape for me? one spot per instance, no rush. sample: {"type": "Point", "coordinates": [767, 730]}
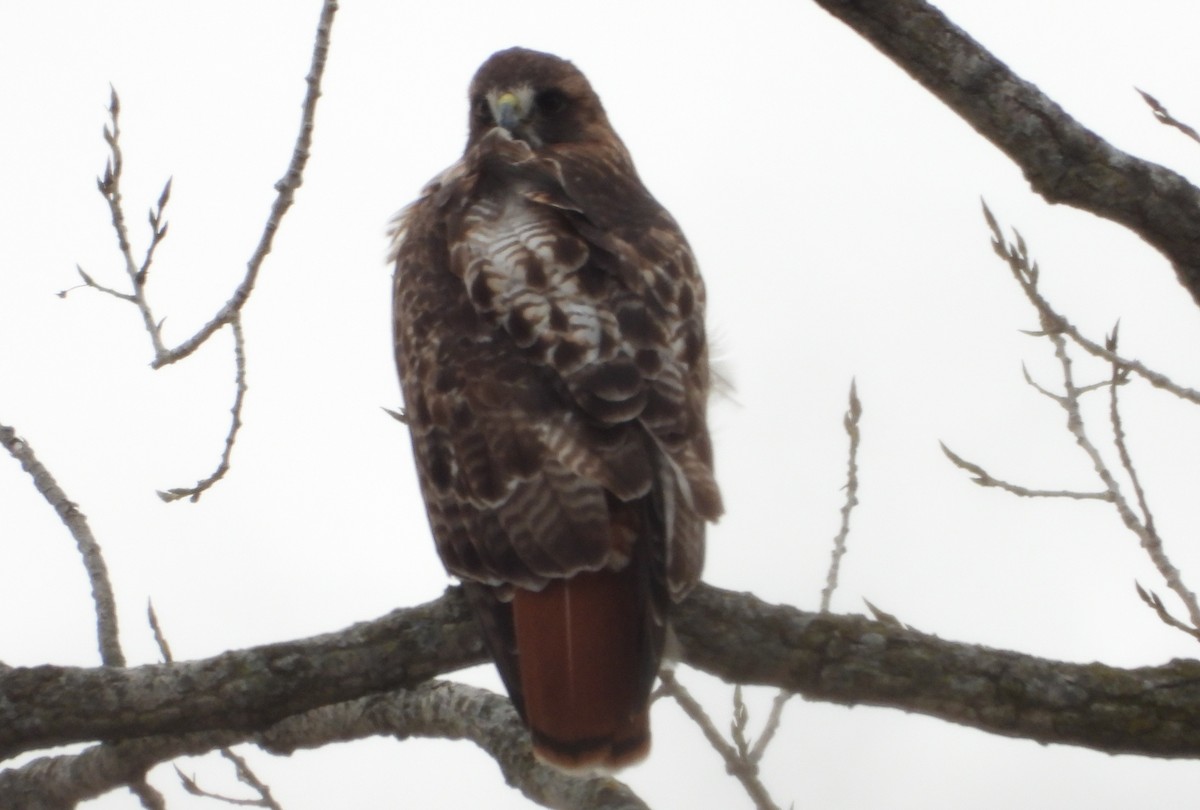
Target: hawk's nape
{"type": "Point", "coordinates": [549, 329]}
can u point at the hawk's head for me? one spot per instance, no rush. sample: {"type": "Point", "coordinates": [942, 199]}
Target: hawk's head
{"type": "Point", "coordinates": [538, 98]}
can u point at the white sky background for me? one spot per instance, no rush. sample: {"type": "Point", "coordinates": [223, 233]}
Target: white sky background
{"type": "Point", "coordinates": [834, 207]}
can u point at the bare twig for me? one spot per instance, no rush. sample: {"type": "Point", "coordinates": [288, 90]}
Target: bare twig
{"type": "Point", "coordinates": [737, 762]}
{"type": "Point", "coordinates": [1026, 276]}
{"type": "Point", "coordinates": [159, 638]}
{"type": "Point", "coordinates": [986, 479]}
{"type": "Point", "coordinates": [737, 726]}
{"type": "Point", "coordinates": [1054, 327]}
{"type": "Point", "coordinates": [229, 315]}
{"type": "Point", "coordinates": [245, 774]}
{"type": "Point", "coordinates": [850, 423]}
{"type": "Point", "coordinates": [285, 194]}
{"type": "Point", "coordinates": [193, 787]}
{"type": "Point", "coordinates": [89, 549]}
{"type": "Point", "coordinates": [110, 188]}
{"type": "Point", "coordinates": [1164, 117]}
{"type": "Point", "coordinates": [1156, 604]}
{"type": "Point", "coordinates": [1119, 374]}
{"type": "Point", "coordinates": [235, 424]}
{"type": "Point", "coordinates": [771, 726]}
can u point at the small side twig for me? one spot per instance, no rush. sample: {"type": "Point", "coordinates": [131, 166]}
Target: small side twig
{"type": "Point", "coordinates": [737, 760]}
{"type": "Point", "coordinates": [265, 799]}
{"type": "Point", "coordinates": [850, 423]}
{"type": "Point", "coordinates": [245, 773]}
{"type": "Point", "coordinates": [109, 185]}
{"type": "Point", "coordinates": [774, 718]}
{"type": "Point", "coordinates": [235, 424]}
{"type": "Point", "coordinates": [76, 522]}
{"type": "Point", "coordinates": [1026, 275]}
{"type": "Point", "coordinates": [1156, 604]}
{"type": "Point", "coordinates": [1164, 117]}
{"type": "Point", "coordinates": [1056, 329]}
{"type": "Point", "coordinates": [1119, 376]}
{"type": "Point", "coordinates": [985, 479]}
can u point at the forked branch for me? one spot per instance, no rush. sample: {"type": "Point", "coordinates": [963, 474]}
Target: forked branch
{"type": "Point", "coordinates": [1134, 511]}
{"type": "Point", "coordinates": [229, 315]}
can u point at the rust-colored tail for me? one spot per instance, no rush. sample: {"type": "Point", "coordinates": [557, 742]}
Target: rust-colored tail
{"type": "Point", "coordinates": [587, 657]}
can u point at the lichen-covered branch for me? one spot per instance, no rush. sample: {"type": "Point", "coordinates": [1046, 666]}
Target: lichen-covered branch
{"type": "Point", "coordinates": [1152, 711]}
{"type": "Point", "coordinates": [241, 690]}
{"type": "Point", "coordinates": [1064, 161]}
{"type": "Point", "coordinates": [852, 660]}
{"type": "Point", "coordinates": [445, 710]}
{"type": "Point", "coordinates": [433, 709]}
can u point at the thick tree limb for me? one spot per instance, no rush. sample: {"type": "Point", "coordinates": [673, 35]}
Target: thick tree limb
{"type": "Point", "coordinates": [1153, 711]}
{"type": "Point", "coordinates": [434, 709]}
{"type": "Point", "coordinates": [852, 660]}
{"type": "Point", "coordinates": [1064, 161]}
{"type": "Point", "coordinates": [243, 690]}
{"type": "Point", "coordinates": [455, 711]}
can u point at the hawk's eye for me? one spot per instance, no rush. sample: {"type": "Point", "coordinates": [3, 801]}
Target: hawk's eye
{"type": "Point", "coordinates": [550, 102]}
{"type": "Point", "coordinates": [481, 110]}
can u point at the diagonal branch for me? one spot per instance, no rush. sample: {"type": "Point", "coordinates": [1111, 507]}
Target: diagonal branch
{"type": "Point", "coordinates": [235, 424]}
{"type": "Point", "coordinates": [89, 549]}
{"type": "Point", "coordinates": [285, 195]}
{"type": "Point", "coordinates": [1064, 161]}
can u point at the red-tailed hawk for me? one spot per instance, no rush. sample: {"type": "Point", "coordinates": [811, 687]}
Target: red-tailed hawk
{"type": "Point", "coordinates": [549, 327]}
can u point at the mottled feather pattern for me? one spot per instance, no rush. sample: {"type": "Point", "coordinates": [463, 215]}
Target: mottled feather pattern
{"type": "Point", "coordinates": [619, 337]}
{"type": "Point", "coordinates": [549, 331]}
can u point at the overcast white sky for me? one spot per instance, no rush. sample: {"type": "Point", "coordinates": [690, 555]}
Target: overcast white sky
{"type": "Point", "coordinates": [834, 207]}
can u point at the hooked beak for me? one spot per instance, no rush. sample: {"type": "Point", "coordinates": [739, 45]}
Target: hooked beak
{"type": "Point", "coordinates": [507, 111]}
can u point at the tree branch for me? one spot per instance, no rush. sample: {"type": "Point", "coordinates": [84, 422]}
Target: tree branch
{"type": "Point", "coordinates": [1016, 256]}
{"type": "Point", "coordinates": [435, 709]}
{"type": "Point", "coordinates": [285, 194]}
{"type": "Point", "coordinates": [89, 549]}
{"type": "Point", "coordinates": [850, 423]}
{"type": "Point", "coordinates": [851, 660]}
{"type": "Point", "coordinates": [1064, 161]}
{"type": "Point", "coordinates": [241, 690]}
{"type": "Point", "coordinates": [1153, 711]}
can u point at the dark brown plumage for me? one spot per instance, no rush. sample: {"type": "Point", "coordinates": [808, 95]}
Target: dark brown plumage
{"type": "Point", "coordinates": [549, 327]}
